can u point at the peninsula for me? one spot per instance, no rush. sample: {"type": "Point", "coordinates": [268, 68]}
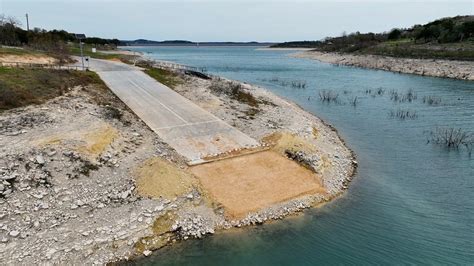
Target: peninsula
{"type": "Point", "coordinates": [442, 48]}
{"type": "Point", "coordinates": [131, 155]}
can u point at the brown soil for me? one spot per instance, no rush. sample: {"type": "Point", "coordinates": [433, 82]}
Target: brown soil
{"type": "Point", "coordinates": [159, 178]}
{"type": "Point", "coordinates": [249, 183]}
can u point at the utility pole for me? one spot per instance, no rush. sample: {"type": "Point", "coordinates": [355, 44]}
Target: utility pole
{"type": "Point", "coordinates": [81, 37]}
{"type": "Point", "coordinates": [27, 23]}
{"type": "Point", "coordinates": [82, 54]}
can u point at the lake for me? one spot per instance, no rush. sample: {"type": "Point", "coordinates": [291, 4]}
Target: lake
{"type": "Point", "coordinates": [411, 202]}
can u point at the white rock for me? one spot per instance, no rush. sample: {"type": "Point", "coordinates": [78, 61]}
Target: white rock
{"type": "Point", "coordinates": [50, 252]}
{"type": "Point", "coordinates": [147, 253]}
{"type": "Point", "coordinates": [39, 159]}
{"type": "Point", "coordinates": [14, 233]}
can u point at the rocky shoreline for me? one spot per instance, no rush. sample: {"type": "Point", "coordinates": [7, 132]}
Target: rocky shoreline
{"type": "Point", "coordinates": [463, 70]}
{"type": "Point", "coordinates": [68, 190]}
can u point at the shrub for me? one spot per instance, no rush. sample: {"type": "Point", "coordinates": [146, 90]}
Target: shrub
{"type": "Point", "coordinates": [403, 114]}
{"type": "Point", "coordinates": [329, 96]}
{"type": "Point", "coordinates": [452, 138]}
{"type": "Point", "coordinates": [431, 100]}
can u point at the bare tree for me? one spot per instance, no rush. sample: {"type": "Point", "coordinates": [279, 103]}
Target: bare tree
{"type": "Point", "coordinates": [2, 19]}
{"type": "Point", "coordinates": [14, 22]}
{"type": "Point", "coordinates": [8, 30]}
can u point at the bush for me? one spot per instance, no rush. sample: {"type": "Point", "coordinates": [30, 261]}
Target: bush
{"type": "Point", "coordinates": [111, 112]}
{"type": "Point", "coordinates": [403, 114]}
{"type": "Point", "coordinates": [235, 91]}
{"type": "Point", "coordinates": [394, 34]}
{"type": "Point", "coordinates": [329, 96]}
{"type": "Point", "coordinates": [452, 138]}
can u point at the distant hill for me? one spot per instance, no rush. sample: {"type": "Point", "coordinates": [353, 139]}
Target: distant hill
{"type": "Point", "coordinates": [449, 38]}
{"type": "Point", "coordinates": [142, 42]}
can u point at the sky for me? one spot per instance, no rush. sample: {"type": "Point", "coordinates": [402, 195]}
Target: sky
{"type": "Point", "coordinates": [229, 20]}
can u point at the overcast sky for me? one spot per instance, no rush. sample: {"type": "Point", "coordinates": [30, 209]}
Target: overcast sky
{"type": "Point", "coordinates": [229, 20]}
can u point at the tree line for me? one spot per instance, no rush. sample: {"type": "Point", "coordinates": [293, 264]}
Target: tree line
{"type": "Point", "coordinates": [445, 30]}
{"type": "Point", "coordinates": [11, 34]}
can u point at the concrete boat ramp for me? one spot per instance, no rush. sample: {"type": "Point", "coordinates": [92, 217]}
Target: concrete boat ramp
{"type": "Point", "coordinates": [190, 130]}
{"type": "Point", "coordinates": [243, 182]}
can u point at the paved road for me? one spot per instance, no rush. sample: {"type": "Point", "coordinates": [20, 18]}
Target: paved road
{"type": "Point", "coordinates": [192, 131]}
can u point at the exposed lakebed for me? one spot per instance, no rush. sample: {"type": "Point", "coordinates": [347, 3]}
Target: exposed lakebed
{"type": "Point", "coordinates": [410, 202]}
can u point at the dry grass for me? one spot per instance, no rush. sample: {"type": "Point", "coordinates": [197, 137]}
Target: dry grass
{"type": "Point", "coordinates": [158, 178]}
{"type": "Point", "coordinates": [284, 141]}
{"type": "Point", "coordinates": [165, 77]}
{"type": "Point", "coordinates": [235, 91]}
{"type": "Point", "coordinates": [315, 133]}
{"type": "Point", "coordinates": [24, 86]}
{"type": "Point", "coordinates": [249, 183]}
{"type": "Point", "coordinates": [9, 59]}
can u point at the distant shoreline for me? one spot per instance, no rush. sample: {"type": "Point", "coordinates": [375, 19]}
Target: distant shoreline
{"type": "Point", "coordinates": [462, 70]}
{"type": "Point", "coordinates": [285, 49]}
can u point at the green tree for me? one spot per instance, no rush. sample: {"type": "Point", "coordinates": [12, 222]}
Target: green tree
{"type": "Point", "coordinates": [394, 34]}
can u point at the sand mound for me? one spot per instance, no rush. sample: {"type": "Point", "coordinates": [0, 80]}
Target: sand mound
{"type": "Point", "coordinates": [158, 178]}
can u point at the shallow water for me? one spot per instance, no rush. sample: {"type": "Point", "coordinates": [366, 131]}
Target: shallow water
{"type": "Point", "coordinates": [410, 202]}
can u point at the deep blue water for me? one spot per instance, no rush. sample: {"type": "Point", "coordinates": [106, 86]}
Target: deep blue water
{"type": "Point", "coordinates": [410, 202]}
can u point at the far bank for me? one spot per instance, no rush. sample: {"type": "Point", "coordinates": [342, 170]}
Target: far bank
{"type": "Point", "coordinates": [463, 70]}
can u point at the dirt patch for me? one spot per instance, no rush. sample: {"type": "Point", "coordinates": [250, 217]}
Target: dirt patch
{"type": "Point", "coordinates": [158, 178]}
{"type": "Point", "coordinates": [27, 59]}
{"type": "Point", "coordinates": [90, 142]}
{"type": "Point", "coordinates": [161, 234]}
{"type": "Point", "coordinates": [250, 183]}
{"type": "Point", "coordinates": [282, 142]}
{"type": "Point", "coordinates": [98, 140]}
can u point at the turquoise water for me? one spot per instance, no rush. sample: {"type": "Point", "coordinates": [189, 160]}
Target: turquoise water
{"type": "Point", "coordinates": [410, 203]}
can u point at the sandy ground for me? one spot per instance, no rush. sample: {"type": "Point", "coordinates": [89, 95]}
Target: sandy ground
{"type": "Point", "coordinates": [249, 183]}
{"type": "Point", "coordinates": [425, 67]}
{"type": "Point", "coordinates": [30, 59]}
